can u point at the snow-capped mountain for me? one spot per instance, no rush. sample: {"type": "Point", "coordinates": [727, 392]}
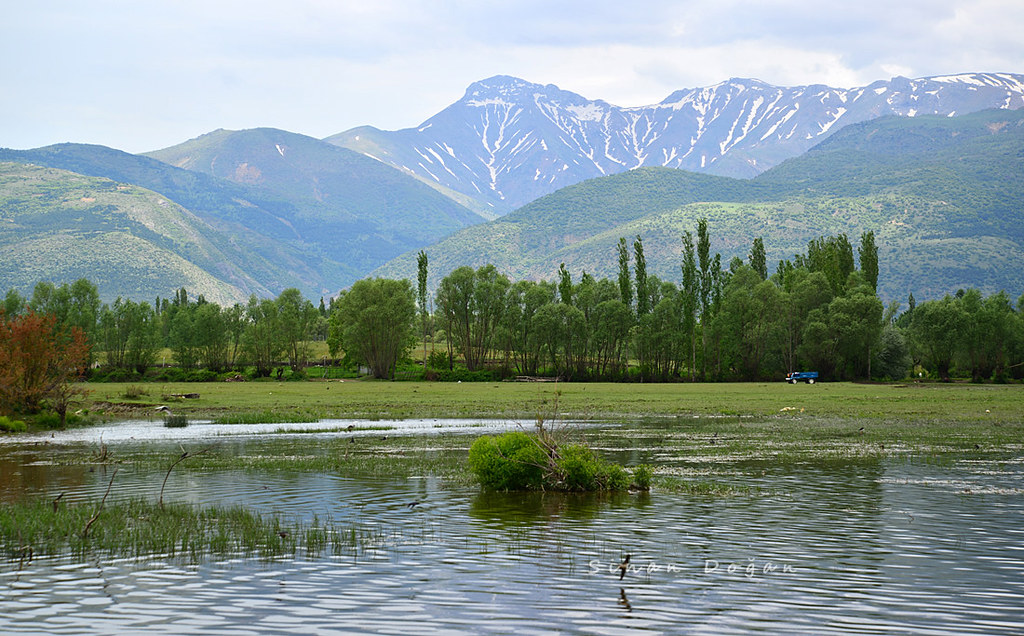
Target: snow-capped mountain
{"type": "Point", "coordinates": [507, 141]}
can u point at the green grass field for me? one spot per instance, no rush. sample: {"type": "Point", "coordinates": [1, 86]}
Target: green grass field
{"type": "Point", "coordinates": [304, 401]}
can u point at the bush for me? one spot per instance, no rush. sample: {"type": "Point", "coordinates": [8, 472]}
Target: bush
{"type": "Point", "coordinates": [176, 421]}
{"type": "Point", "coordinates": [11, 426]}
{"type": "Point", "coordinates": [642, 477]}
{"type": "Point", "coordinates": [578, 467]}
{"type": "Point", "coordinates": [109, 374]}
{"type": "Point", "coordinates": [461, 374]}
{"type": "Point", "coordinates": [47, 420]}
{"type": "Point", "coordinates": [511, 461]}
{"type": "Point", "coordinates": [518, 461]}
{"type": "Point", "coordinates": [438, 359]}
{"type": "Point", "coordinates": [133, 392]}
{"type": "Point", "coordinates": [201, 375]}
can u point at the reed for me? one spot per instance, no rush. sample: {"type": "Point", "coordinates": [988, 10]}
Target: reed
{"type": "Point", "coordinates": [138, 528]}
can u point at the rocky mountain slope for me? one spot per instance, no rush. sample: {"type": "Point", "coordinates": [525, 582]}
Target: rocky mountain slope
{"type": "Point", "coordinates": [941, 194]}
{"type": "Point", "coordinates": [508, 141]}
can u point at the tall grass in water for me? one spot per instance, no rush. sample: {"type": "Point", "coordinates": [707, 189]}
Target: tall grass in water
{"type": "Point", "coordinates": [176, 420]}
{"type": "Point", "coordinates": [136, 528]}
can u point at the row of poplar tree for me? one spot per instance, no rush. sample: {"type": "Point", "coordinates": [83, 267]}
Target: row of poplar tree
{"type": "Point", "coordinates": [819, 311]}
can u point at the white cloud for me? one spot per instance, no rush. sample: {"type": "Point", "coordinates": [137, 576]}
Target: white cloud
{"type": "Point", "coordinates": [138, 76]}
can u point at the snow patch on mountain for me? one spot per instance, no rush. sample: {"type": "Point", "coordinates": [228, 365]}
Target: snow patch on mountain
{"type": "Point", "coordinates": [510, 141]}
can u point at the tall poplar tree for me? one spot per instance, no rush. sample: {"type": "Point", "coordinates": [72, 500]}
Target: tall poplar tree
{"type": "Point", "coordinates": [643, 295]}
{"type": "Point", "coordinates": [758, 260]}
{"type": "Point", "coordinates": [868, 253]}
{"type": "Point", "coordinates": [421, 293]}
{"type": "Point", "coordinates": [625, 280]}
{"type": "Point", "coordinates": [691, 293]}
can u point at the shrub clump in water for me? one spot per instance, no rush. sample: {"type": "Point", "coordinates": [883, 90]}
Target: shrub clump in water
{"type": "Point", "coordinates": [519, 461]}
{"type": "Point", "coordinates": [512, 461]}
{"type": "Point", "coordinates": [175, 420]}
{"type": "Point", "coordinates": [8, 425]}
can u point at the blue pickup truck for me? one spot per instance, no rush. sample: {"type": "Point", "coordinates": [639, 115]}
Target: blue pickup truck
{"type": "Point", "coordinates": [802, 376]}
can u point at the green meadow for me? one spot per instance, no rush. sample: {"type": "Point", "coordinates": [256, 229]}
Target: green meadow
{"type": "Point", "coordinates": [306, 401]}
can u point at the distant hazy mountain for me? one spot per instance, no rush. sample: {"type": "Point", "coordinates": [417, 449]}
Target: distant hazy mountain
{"type": "Point", "coordinates": [60, 226]}
{"type": "Point", "coordinates": [282, 209]}
{"type": "Point", "coordinates": [941, 194]}
{"type": "Point", "coordinates": [356, 211]}
{"type": "Point", "coordinates": [508, 142]}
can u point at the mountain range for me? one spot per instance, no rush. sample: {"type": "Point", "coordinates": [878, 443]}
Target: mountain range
{"type": "Point", "coordinates": [508, 142]}
{"type": "Point", "coordinates": [234, 213]}
{"type": "Point", "coordinates": [941, 194]}
{"type": "Point", "coordinates": [285, 210]}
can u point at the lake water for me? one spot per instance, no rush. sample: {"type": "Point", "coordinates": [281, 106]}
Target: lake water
{"type": "Point", "coordinates": [865, 546]}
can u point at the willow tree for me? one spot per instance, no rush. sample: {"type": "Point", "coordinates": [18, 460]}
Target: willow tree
{"type": "Point", "coordinates": [377, 323]}
{"type": "Point", "coordinates": [472, 304]}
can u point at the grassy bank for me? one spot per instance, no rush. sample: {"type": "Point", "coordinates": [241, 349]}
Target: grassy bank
{"type": "Point", "coordinates": [306, 401]}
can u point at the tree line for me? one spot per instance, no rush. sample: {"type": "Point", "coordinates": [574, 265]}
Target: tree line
{"type": "Point", "coordinates": [737, 321]}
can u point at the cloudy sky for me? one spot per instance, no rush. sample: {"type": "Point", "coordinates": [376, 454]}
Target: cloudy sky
{"type": "Point", "coordinates": [144, 75]}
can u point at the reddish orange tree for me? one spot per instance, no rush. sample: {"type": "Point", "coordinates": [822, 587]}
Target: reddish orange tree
{"type": "Point", "coordinates": [39, 363]}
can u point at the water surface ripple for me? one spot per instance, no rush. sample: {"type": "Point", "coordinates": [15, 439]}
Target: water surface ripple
{"type": "Point", "coordinates": [866, 546]}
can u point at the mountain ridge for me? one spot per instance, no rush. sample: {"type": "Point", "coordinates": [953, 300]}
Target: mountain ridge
{"type": "Point", "coordinates": [508, 141]}
{"type": "Point", "coordinates": [948, 217]}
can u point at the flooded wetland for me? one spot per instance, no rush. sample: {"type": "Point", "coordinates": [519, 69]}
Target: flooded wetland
{"type": "Point", "coordinates": [790, 522]}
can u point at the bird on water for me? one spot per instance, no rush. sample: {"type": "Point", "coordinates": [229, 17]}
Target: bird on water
{"type": "Point", "coordinates": [623, 567]}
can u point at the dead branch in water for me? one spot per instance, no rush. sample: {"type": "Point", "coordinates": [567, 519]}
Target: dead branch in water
{"type": "Point", "coordinates": [96, 516]}
{"type": "Point", "coordinates": [184, 455]}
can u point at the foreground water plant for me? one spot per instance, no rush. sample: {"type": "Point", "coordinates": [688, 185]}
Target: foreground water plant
{"type": "Point", "coordinates": [520, 461]}
{"type": "Point", "coordinates": [137, 528]}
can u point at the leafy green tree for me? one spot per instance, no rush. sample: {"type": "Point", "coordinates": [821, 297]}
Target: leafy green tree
{"type": "Point", "coordinates": [705, 288]}
{"type": "Point", "coordinates": [182, 337]}
{"type": "Point", "coordinates": [643, 292]}
{"type": "Point", "coordinates": [808, 291]}
{"type": "Point", "coordinates": [522, 344]}
{"type": "Point", "coordinates": [611, 323]}
{"type": "Point", "coordinates": [421, 296]}
{"type": "Point", "coordinates": [690, 300]}
{"type": "Point", "coordinates": [14, 303]}
{"type": "Point", "coordinates": [832, 256]}
{"type": "Point", "coordinates": [378, 323]}
{"type": "Point", "coordinates": [564, 285]}
{"type": "Point", "coordinates": [857, 321]}
{"type": "Point", "coordinates": [562, 330]}
{"type": "Point", "coordinates": [758, 259]}
{"type": "Point", "coordinates": [296, 321]}
{"type": "Point", "coordinates": [262, 342]}
{"type": "Point", "coordinates": [625, 280]}
{"type": "Point", "coordinates": [936, 330]}
{"type": "Point", "coordinates": [892, 357]}
{"type": "Point", "coordinates": [212, 339]}
{"type": "Point", "coordinates": [472, 304]}
{"type": "Point", "coordinates": [988, 334]}
{"type": "Point", "coordinates": [235, 324]}
{"type": "Point", "coordinates": [661, 345]}
{"type": "Point", "coordinates": [750, 321]}
{"type": "Point", "coordinates": [75, 305]}
{"type": "Point", "coordinates": [868, 253]}
{"type": "Point", "coordinates": [130, 334]}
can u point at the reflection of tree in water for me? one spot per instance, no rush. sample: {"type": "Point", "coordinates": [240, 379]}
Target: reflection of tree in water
{"type": "Point", "coordinates": [514, 508]}
{"type": "Point", "coordinates": [555, 526]}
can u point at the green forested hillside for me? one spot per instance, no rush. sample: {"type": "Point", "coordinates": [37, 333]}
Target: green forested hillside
{"type": "Point", "coordinates": [344, 202]}
{"type": "Point", "coordinates": [295, 211]}
{"type": "Point", "coordinates": [60, 226]}
{"type": "Point", "coordinates": [943, 196]}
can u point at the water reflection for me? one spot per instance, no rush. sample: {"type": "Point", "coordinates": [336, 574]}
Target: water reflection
{"type": "Point", "coordinates": [858, 546]}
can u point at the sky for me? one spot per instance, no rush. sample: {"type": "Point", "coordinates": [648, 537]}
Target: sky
{"type": "Point", "coordinates": [144, 75]}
